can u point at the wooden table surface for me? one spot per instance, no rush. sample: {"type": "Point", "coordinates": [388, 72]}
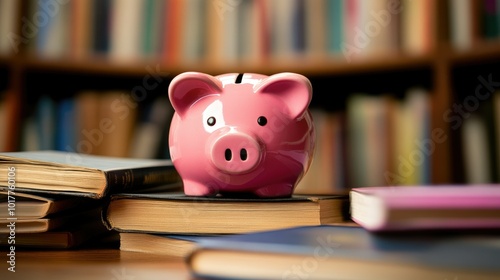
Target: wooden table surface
{"type": "Point", "coordinates": [94, 264]}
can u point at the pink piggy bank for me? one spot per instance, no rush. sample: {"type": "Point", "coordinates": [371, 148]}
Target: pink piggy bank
{"type": "Point", "coordinates": [241, 134]}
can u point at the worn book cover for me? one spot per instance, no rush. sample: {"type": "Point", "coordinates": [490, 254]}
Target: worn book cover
{"type": "Point", "coordinates": [343, 252]}
{"type": "Point", "coordinates": [81, 174]}
{"type": "Point", "coordinates": [175, 212]}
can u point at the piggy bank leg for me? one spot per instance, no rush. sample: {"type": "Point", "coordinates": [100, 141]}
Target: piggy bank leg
{"type": "Point", "coordinates": [277, 190]}
{"type": "Point", "coordinates": [192, 188]}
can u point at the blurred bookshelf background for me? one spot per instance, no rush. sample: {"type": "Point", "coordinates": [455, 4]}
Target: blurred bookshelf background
{"type": "Point", "coordinates": [405, 91]}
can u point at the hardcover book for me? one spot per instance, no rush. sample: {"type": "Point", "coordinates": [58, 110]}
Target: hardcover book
{"type": "Point", "coordinates": [91, 233]}
{"type": "Point", "coordinates": [52, 222]}
{"type": "Point", "coordinates": [426, 207]}
{"type": "Point", "coordinates": [31, 206]}
{"type": "Point", "coordinates": [177, 213]}
{"type": "Point", "coordinates": [341, 252]}
{"type": "Point", "coordinates": [83, 175]}
{"type": "Point", "coordinates": [175, 246]}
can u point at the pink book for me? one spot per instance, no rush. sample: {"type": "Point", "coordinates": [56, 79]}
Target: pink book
{"type": "Point", "coordinates": [426, 207]}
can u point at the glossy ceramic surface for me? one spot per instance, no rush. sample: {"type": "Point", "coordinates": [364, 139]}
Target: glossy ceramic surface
{"type": "Point", "coordinates": [239, 134]}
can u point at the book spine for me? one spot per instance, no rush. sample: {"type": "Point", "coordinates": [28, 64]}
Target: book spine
{"type": "Point", "coordinates": [101, 28]}
{"type": "Point", "coordinates": [335, 25]}
{"type": "Point", "coordinates": [139, 179]}
{"type": "Point", "coordinates": [490, 19]}
{"type": "Point", "coordinates": [65, 130]}
{"type": "Point", "coordinates": [148, 34]}
{"type": "Point", "coordinates": [8, 12]}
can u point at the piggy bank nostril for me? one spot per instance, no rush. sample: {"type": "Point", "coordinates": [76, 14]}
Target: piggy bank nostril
{"type": "Point", "coordinates": [228, 154]}
{"type": "Point", "coordinates": [243, 154]}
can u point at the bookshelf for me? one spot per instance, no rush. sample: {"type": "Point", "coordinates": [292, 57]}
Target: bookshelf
{"type": "Point", "coordinates": [438, 65]}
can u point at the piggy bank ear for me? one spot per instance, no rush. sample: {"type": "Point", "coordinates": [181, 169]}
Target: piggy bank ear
{"type": "Point", "coordinates": [294, 89]}
{"type": "Point", "coordinates": [187, 88]}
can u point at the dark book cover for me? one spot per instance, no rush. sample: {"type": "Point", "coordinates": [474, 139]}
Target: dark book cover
{"type": "Point", "coordinates": [101, 26]}
{"type": "Point", "coordinates": [326, 246]}
{"type": "Point", "coordinates": [69, 173]}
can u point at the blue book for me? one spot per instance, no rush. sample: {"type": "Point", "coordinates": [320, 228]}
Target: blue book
{"type": "Point", "coordinates": [66, 129]}
{"type": "Point", "coordinates": [45, 120]}
{"type": "Point", "coordinates": [347, 252]}
{"type": "Point", "coordinates": [45, 29]}
{"type": "Point", "coordinates": [335, 26]}
{"type": "Point", "coordinates": [298, 27]}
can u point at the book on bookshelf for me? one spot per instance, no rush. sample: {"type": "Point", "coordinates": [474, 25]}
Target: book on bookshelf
{"type": "Point", "coordinates": [418, 26]}
{"type": "Point", "coordinates": [80, 30]}
{"type": "Point", "coordinates": [152, 28]}
{"type": "Point", "coordinates": [193, 34]}
{"type": "Point", "coordinates": [81, 174]}
{"type": "Point", "coordinates": [87, 119]}
{"type": "Point", "coordinates": [101, 27]}
{"type": "Point", "coordinates": [343, 252]}
{"type": "Point", "coordinates": [413, 134]}
{"type": "Point", "coordinates": [326, 175]}
{"type": "Point", "coordinates": [398, 208]}
{"type": "Point", "coordinates": [152, 124]}
{"type": "Point", "coordinates": [480, 143]}
{"type": "Point", "coordinates": [8, 25]}
{"type": "Point", "coordinates": [367, 136]}
{"type": "Point", "coordinates": [117, 120]}
{"type": "Point", "coordinates": [490, 19]}
{"type": "Point", "coordinates": [172, 31]}
{"type": "Point", "coordinates": [174, 212]}
{"type": "Point", "coordinates": [45, 119]}
{"type": "Point", "coordinates": [320, 177]}
{"type": "Point", "coordinates": [65, 136]}
{"type": "Point", "coordinates": [125, 32]}
{"type": "Point", "coordinates": [496, 131]}
{"type": "Point", "coordinates": [476, 151]}
{"type": "Point", "coordinates": [461, 17]}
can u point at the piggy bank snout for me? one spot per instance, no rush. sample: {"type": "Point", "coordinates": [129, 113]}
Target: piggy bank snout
{"type": "Point", "coordinates": [235, 153]}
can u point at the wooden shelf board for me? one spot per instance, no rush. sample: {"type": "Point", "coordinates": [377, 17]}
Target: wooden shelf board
{"type": "Point", "coordinates": [94, 65]}
{"type": "Point", "coordinates": [480, 52]}
{"type": "Point", "coordinates": [5, 60]}
{"type": "Point", "coordinates": [332, 66]}
{"type": "Point", "coordinates": [306, 66]}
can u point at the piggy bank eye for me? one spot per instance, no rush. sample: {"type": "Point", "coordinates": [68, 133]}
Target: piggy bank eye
{"type": "Point", "coordinates": [262, 121]}
{"type": "Point", "coordinates": [211, 121]}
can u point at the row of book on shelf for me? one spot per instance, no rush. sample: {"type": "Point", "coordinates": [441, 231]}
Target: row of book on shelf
{"type": "Point", "coordinates": [228, 31]}
{"type": "Point", "coordinates": [386, 140]}
{"type": "Point", "coordinates": [108, 123]}
{"type": "Point", "coordinates": [471, 21]}
{"type": "Point", "coordinates": [75, 200]}
{"type": "Point", "coordinates": [372, 142]}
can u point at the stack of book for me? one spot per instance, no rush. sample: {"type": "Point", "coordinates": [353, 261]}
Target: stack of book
{"type": "Point", "coordinates": [60, 200]}
{"type": "Point", "coordinates": [170, 223]}
{"type": "Point", "coordinates": [48, 220]}
{"type": "Point", "coordinates": [415, 232]}
{"type": "Point", "coordinates": [53, 199]}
